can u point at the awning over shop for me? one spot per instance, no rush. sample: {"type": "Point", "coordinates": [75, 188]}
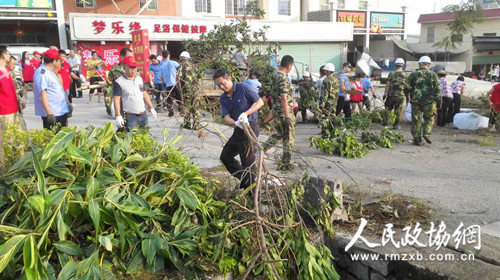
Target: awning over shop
{"type": "Point", "coordinates": [486, 59]}
{"type": "Point", "coordinates": [402, 44]}
{"type": "Point", "coordinates": [486, 43]}
{"type": "Point", "coordinates": [430, 48]}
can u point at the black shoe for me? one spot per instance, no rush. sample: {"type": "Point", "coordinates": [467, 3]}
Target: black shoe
{"type": "Point", "coordinates": [171, 114]}
{"type": "Point", "coordinates": [186, 126]}
{"type": "Point", "coordinates": [418, 143]}
{"type": "Point", "coordinates": [427, 139]}
{"type": "Point", "coordinates": [108, 110]}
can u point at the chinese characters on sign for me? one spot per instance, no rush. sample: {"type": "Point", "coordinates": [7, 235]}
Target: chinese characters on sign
{"type": "Point", "coordinates": [140, 46]}
{"type": "Point", "coordinates": [358, 18]}
{"type": "Point", "coordinates": [117, 27]}
{"type": "Point", "coordinates": [388, 20]}
{"type": "Point", "coordinates": [110, 53]}
{"type": "Point", "coordinates": [437, 236]}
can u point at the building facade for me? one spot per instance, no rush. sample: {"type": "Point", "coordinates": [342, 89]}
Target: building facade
{"type": "Point", "coordinates": [32, 23]}
{"type": "Point", "coordinates": [373, 28]}
{"type": "Point", "coordinates": [479, 50]}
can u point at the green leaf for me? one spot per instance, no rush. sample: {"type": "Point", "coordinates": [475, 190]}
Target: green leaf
{"type": "Point", "coordinates": [134, 157]}
{"type": "Point", "coordinates": [69, 248]}
{"type": "Point", "coordinates": [84, 266]}
{"type": "Point", "coordinates": [148, 247]}
{"type": "Point", "coordinates": [107, 135]}
{"type": "Point", "coordinates": [9, 249]}
{"type": "Point", "coordinates": [138, 210]}
{"type": "Point", "coordinates": [32, 264]}
{"type": "Point", "coordinates": [60, 171]}
{"type": "Point", "coordinates": [78, 155]}
{"type": "Point", "coordinates": [187, 197]}
{"type": "Point", "coordinates": [37, 202]}
{"type": "Point", "coordinates": [116, 153]}
{"type": "Point", "coordinates": [62, 139]}
{"type": "Point", "coordinates": [94, 214]}
{"type": "Point", "coordinates": [106, 242]}
{"type": "Point", "coordinates": [68, 271]}
{"type": "Point", "coordinates": [39, 175]}
{"type": "Point", "coordinates": [92, 188]}
{"type": "Point", "coordinates": [55, 197]}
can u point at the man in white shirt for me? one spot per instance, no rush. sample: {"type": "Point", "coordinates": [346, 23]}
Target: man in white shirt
{"type": "Point", "coordinates": [75, 62]}
{"type": "Point", "coordinates": [128, 89]}
{"type": "Point", "coordinates": [241, 58]}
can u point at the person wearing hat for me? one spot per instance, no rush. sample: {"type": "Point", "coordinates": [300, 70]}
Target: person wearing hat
{"type": "Point", "coordinates": [343, 102]}
{"type": "Point", "coordinates": [446, 99]}
{"type": "Point", "coordinates": [329, 94]}
{"type": "Point", "coordinates": [129, 90]}
{"type": "Point", "coordinates": [425, 91]}
{"type": "Point", "coordinates": [188, 81]}
{"type": "Point", "coordinates": [51, 102]}
{"type": "Point", "coordinates": [37, 59]}
{"type": "Point", "coordinates": [394, 95]}
{"type": "Point", "coordinates": [114, 73]}
{"type": "Point", "coordinates": [169, 79]}
{"type": "Point", "coordinates": [283, 116]}
{"type": "Point", "coordinates": [308, 97]}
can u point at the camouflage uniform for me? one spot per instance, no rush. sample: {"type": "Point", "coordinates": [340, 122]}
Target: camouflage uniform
{"type": "Point", "coordinates": [19, 92]}
{"type": "Point", "coordinates": [307, 99]}
{"type": "Point", "coordinates": [114, 73]}
{"type": "Point", "coordinates": [396, 93]}
{"type": "Point", "coordinates": [190, 93]}
{"type": "Point", "coordinates": [281, 86]}
{"type": "Point", "coordinates": [329, 93]}
{"type": "Point", "coordinates": [425, 92]}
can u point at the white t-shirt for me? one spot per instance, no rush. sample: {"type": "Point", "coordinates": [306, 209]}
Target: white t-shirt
{"type": "Point", "coordinates": [131, 92]}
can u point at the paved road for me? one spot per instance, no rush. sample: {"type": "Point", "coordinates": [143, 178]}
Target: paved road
{"type": "Point", "coordinates": [458, 177]}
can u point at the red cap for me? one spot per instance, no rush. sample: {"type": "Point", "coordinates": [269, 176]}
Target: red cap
{"type": "Point", "coordinates": [130, 61]}
{"type": "Point", "coordinates": [51, 53]}
{"type": "Point", "coordinates": [36, 52]}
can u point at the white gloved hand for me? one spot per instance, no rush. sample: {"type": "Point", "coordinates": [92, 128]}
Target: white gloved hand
{"type": "Point", "coordinates": [119, 121]}
{"type": "Point", "coordinates": [238, 124]}
{"type": "Point", "coordinates": [243, 118]}
{"type": "Point", "coordinates": [153, 113]}
{"type": "Point", "coordinates": [152, 84]}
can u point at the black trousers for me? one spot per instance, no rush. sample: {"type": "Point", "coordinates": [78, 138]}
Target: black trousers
{"type": "Point", "coordinates": [60, 120]}
{"type": "Point", "coordinates": [366, 101]}
{"type": "Point", "coordinates": [238, 144]}
{"type": "Point", "coordinates": [455, 106]}
{"type": "Point", "coordinates": [443, 112]}
{"type": "Point", "coordinates": [171, 96]}
{"type": "Point", "coordinates": [95, 81]}
{"type": "Point", "coordinates": [345, 106]}
{"type": "Point", "coordinates": [74, 85]}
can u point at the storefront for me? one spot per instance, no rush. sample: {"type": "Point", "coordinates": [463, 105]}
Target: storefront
{"type": "Point", "coordinates": [312, 44]}
{"type": "Point", "coordinates": [32, 23]}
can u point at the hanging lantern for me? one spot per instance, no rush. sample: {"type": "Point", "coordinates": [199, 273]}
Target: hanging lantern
{"type": "Point", "coordinates": [19, 33]}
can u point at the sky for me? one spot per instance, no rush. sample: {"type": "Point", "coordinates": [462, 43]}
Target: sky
{"type": "Point", "coordinates": [415, 8]}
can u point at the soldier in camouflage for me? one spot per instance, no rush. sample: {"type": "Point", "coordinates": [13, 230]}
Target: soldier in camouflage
{"type": "Point", "coordinates": [425, 92]}
{"type": "Point", "coordinates": [190, 92]}
{"type": "Point", "coordinates": [394, 94]}
{"type": "Point", "coordinates": [114, 73]}
{"type": "Point", "coordinates": [17, 84]}
{"type": "Point", "coordinates": [329, 92]}
{"type": "Point", "coordinates": [283, 117]}
{"type": "Point", "coordinates": [308, 96]}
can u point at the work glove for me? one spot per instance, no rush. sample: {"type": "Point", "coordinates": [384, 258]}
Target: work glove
{"type": "Point", "coordinates": [51, 120]}
{"type": "Point", "coordinates": [119, 121]}
{"type": "Point", "coordinates": [238, 124]}
{"type": "Point", "coordinates": [243, 118]}
{"type": "Point", "coordinates": [153, 113]}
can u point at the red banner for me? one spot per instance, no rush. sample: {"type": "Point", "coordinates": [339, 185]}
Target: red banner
{"type": "Point", "coordinates": [109, 53]}
{"type": "Point", "coordinates": [140, 46]}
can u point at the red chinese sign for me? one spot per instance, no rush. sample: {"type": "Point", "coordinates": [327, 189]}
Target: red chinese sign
{"type": "Point", "coordinates": [358, 18]}
{"type": "Point", "coordinates": [109, 53]}
{"type": "Point", "coordinates": [140, 46]}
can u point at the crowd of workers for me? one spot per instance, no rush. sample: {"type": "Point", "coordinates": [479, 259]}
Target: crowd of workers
{"type": "Point", "coordinates": [55, 79]}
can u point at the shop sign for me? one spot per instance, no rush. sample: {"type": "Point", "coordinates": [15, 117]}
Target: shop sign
{"type": "Point", "coordinates": [109, 53]}
{"type": "Point", "coordinates": [358, 18]}
{"type": "Point", "coordinates": [140, 46]}
{"type": "Point", "coordinates": [121, 28]}
{"type": "Point", "coordinates": [26, 3]}
{"type": "Point", "coordinates": [387, 20]}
